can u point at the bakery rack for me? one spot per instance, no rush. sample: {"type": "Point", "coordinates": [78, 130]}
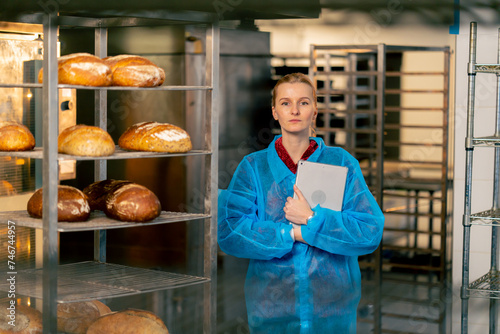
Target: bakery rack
{"type": "Point", "coordinates": [97, 279]}
{"type": "Point", "coordinates": [488, 285]}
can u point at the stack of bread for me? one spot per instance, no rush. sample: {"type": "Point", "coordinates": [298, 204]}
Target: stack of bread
{"type": "Point", "coordinates": [118, 199]}
{"type": "Point", "coordinates": [124, 70]}
{"type": "Point", "coordinates": [123, 200]}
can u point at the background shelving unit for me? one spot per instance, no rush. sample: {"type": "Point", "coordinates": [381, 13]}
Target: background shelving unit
{"type": "Point", "coordinates": [373, 104]}
{"type": "Point", "coordinates": [54, 283]}
{"type": "Point", "coordinates": [488, 285]}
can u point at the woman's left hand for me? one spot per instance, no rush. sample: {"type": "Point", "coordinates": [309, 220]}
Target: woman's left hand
{"type": "Point", "coordinates": [297, 210]}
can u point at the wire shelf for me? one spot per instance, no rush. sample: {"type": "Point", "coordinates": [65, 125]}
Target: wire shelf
{"type": "Point", "coordinates": [486, 141]}
{"type": "Point", "coordinates": [488, 286]}
{"type": "Point", "coordinates": [37, 153]}
{"type": "Point", "coordinates": [97, 221]}
{"type": "Point", "coordinates": [85, 281]}
{"type": "Point", "coordinates": [487, 68]}
{"type": "Point", "coordinates": [488, 218]}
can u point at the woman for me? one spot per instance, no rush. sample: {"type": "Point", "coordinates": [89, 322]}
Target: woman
{"type": "Point", "coordinates": [302, 279]}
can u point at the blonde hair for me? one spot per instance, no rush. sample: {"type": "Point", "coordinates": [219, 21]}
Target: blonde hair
{"type": "Point", "coordinates": [297, 78]}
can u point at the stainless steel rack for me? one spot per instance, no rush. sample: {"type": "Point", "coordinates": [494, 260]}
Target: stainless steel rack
{"type": "Point", "coordinates": [487, 286]}
{"type": "Point", "coordinates": [54, 283]}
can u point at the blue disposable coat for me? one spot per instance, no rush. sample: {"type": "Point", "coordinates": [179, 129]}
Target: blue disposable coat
{"type": "Point", "coordinates": [292, 287]}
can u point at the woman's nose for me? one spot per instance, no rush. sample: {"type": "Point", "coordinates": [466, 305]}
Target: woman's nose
{"type": "Point", "coordinates": [295, 109]}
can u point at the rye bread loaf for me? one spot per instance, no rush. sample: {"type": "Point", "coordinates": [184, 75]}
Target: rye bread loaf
{"type": "Point", "coordinates": [155, 137]}
{"type": "Point", "coordinates": [72, 204]}
{"type": "Point", "coordinates": [85, 140]}
{"type": "Point", "coordinates": [135, 71]}
{"type": "Point", "coordinates": [15, 137]}
{"type": "Point", "coordinates": [129, 321]}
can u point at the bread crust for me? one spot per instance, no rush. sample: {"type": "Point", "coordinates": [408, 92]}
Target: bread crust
{"type": "Point", "coordinates": [28, 320]}
{"type": "Point", "coordinates": [123, 200]}
{"type": "Point", "coordinates": [135, 71]}
{"type": "Point", "coordinates": [155, 137]}
{"type": "Point", "coordinates": [15, 137]}
{"type": "Point", "coordinates": [75, 318]}
{"type": "Point", "coordinates": [82, 69]}
{"type": "Point", "coordinates": [129, 321]}
{"type": "Point", "coordinates": [72, 204]}
{"type": "Point", "coordinates": [85, 140]}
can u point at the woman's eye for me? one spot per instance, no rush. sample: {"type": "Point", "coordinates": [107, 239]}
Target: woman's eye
{"type": "Point", "coordinates": [304, 103]}
{"type": "Point", "coordinates": [284, 103]}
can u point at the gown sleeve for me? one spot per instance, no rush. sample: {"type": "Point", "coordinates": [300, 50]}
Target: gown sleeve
{"type": "Point", "coordinates": [241, 230]}
{"type": "Point", "coordinates": [354, 231]}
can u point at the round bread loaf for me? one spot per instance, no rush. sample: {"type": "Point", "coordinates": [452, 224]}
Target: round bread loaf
{"type": "Point", "coordinates": [15, 137]}
{"type": "Point", "coordinates": [155, 137]}
{"type": "Point", "coordinates": [72, 204]}
{"type": "Point", "coordinates": [82, 69]}
{"type": "Point", "coordinates": [75, 318]}
{"type": "Point", "coordinates": [135, 71]}
{"type": "Point", "coordinates": [128, 322]}
{"type": "Point", "coordinates": [27, 320]}
{"type": "Point", "coordinates": [123, 200]}
{"type": "Point", "coordinates": [85, 140]}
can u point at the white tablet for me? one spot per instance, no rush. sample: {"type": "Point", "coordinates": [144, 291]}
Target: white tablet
{"type": "Point", "coordinates": [322, 184]}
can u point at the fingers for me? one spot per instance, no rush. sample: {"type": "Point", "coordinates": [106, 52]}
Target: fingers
{"type": "Point", "coordinates": [296, 189]}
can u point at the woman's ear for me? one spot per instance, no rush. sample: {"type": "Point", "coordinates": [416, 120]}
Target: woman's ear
{"type": "Point", "coordinates": [275, 115]}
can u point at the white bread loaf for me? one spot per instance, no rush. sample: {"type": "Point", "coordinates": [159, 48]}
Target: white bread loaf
{"type": "Point", "coordinates": [82, 69]}
{"type": "Point", "coordinates": [155, 137]}
{"type": "Point", "coordinates": [135, 71]}
{"type": "Point", "coordinates": [128, 322]}
{"type": "Point", "coordinates": [85, 140]}
{"type": "Point", "coordinates": [15, 137]}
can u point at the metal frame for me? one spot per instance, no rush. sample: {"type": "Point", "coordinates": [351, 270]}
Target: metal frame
{"type": "Point", "coordinates": [380, 182]}
{"type": "Point", "coordinates": [50, 271]}
{"type": "Point", "coordinates": [487, 286]}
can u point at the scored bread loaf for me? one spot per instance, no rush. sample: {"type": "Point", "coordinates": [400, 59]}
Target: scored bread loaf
{"type": "Point", "coordinates": [129, 321]}
{"type": "Point", "coordinates": [15, 137]}
{"type": "Point", "coordinates": [75, 318]}
{"type": "Point", "coordinates": [135, 71]}
{"type": "Point", "coordinates": [82, 69]}
{"type": "Point", "coordinates": [155, 137]}
{"type": "Point", "coordinates": [28, 320]}
{"type": "Point", "coordinates": [72, 204]}
{"type": "Point", "coordinates": [123, 200]}
{"type": "Point", "coordinates": [85, 140]}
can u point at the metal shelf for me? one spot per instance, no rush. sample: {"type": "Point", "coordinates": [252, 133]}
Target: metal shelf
{"type": "Point", "coordinates": [85, 281]}
{"type": "Point", "coordinates": [487, 68]}
{"type": "Point", "coordinates": [61, 86]}
{"type": "Point", "coordinates": [487, 286]}
{"type": "Point", "coordinates": [37, 153]}
{"type": "Point", "coordinates": [486, 141]}
{"type": "Point", "coordinates": [97, 221]}
{"type": "Point", "coordinates": [486, 218]}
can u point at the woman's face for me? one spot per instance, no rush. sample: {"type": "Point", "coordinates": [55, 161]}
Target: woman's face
{"type": "Point", "coordinates": [295, 108]}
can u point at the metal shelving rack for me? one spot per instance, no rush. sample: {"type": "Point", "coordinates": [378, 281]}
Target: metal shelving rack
{"type": "Point", "coordinates": [357, 112]}
{"type": "Point", "coordinates": [487, 286]}
{"type": "Point", "coordinates": [97, 279]}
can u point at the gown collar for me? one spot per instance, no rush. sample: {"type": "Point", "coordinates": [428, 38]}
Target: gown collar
{"type": "Point", "coordinates": [278, 167]}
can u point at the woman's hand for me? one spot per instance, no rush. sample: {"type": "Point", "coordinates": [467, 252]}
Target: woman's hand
{"type": "Point", "coordinates": [297, 210]}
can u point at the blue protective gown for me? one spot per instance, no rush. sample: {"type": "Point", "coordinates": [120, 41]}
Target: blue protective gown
{"type": "Point", "coordinates": [292, 287]}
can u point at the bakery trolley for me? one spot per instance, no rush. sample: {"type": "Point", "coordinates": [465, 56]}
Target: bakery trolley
{"type": "Point", "coordinates": [97, 279]}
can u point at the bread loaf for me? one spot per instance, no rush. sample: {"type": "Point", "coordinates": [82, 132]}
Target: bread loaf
{"type": "Point", "coordinates": [128, 322]}
{"type": "Point", "coordinates": [155, 137]}
{"type": "Point", "coordinates": [75, 318]}
{"type": "Point", "coordinates": [135, 71]}
{"type": "Point", "coordinates": [72, 204]}
{"type": "Point", "coordinates": [123, 200]}
{"type": "Point", "coordinates": [85, 140]}
{"type": "Point", "coordinates": [82, 69]}
{"type": "Point", "coordinates": [27, 320]}
{"type": "Point", "coordinates": [15, 137]}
